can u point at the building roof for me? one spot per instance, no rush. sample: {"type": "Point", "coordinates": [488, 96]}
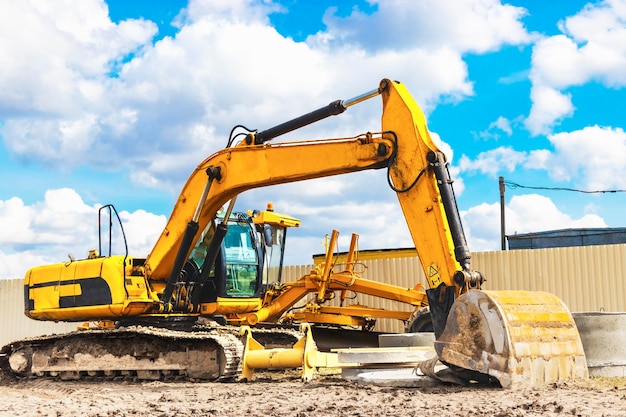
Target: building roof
{"type": "Point", "coordinates": [568, 237]}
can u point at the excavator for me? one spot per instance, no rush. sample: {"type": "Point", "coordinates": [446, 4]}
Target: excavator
{"type": "Point", "coordinates": [209, 263]}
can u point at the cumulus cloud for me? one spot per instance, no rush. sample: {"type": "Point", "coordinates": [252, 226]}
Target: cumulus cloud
{"type": "Point", "coordinates": [494, 161]}
{"type": "Point", "coordinates": [592, 158]}
{"type": "Point", "coordinates": [549, 106]}
{"type": "Point", "coordinates": [379, 224]}
{"type": "Point", "coordinates": [464, 26]}
{"type": "Point", "coordinates": [56, 55]}
{"type": "Point", "coordinates": [80, 90]}
{"type": "Point", "coordinates": [590, 48]}
{"type": "Point", "coordinates": [64, 224]}
{"type": "Point", "coordinates": [503, 124]}
{"type": "Point", "coordinates": [56, 77]}
{"type": "Point", "coordinates": [500, 126]}
{"type": "Point", "coordinates": [48, 231]}
{"type": "Point", "coordinates": [595, 155]}
{"type": "Point", "coordinates": [107, 84]}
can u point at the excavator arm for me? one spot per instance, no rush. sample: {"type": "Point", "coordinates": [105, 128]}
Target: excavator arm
{"type": "Point", "coordinates": [516, 337]}
{"type": "Point", "coordinates": [416, 172]}
{"type": "Point", "coordinates": [420, 178]}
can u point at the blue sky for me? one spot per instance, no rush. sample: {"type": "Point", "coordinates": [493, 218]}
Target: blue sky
{"type": "Point", "coordinates": [117, 102]}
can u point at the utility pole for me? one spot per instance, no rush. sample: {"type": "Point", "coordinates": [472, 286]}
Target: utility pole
{"type": "Point", "coordinates": [502, 222]}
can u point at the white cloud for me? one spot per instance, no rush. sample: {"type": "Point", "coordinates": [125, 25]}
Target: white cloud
{"type": "Point", "coordinates": [56, 64]}
{"type": "Point", "coordinates": [226, 65]}
{"type": "Point", "coordinates": [592, 158]}
{"type": "Point", "coordinates": [503, 124]}
{"type": "Point", "coordinates": [592, 47]}
{"type": "Point", "coordinates": [443, 146]}
{"type": "Point", "coordinates": [549, 106]}
{"type": "Point", "coordinates": [481, 225]}
{"type": "Point", "coordinates": [63, 224]}
{"type": "Point", "coordinates": [464, 26]}
{"type": "Point", "coordinates": [142, 230]}
{"type": "Point", "coordinates": [496, 129]}
{"type": "Point", "coordinates": [52, 48]}
{"type": "Point", "coordinates": [14, 221]}
{"type": "Point", "coordinates": [47, 231]}
{"type": "Point", "coordinates": [56, 220]}
{"type": "Point", "coordinates": [379, 224]}
{"type": "Point", "coordinates": [101, 94]}
{"type": "Point", "coordinates": [594, 154]}
{"type": "Point", "coordinates": [493, 161]}
{"type": "Point", "coordinates": [600, 32]}
{"type": "Point", "coordinates": [533, 212]}
{"type": "Point", "coordinates": [524, 214]}
{"type": "Point", "coordinates": [15, 265]}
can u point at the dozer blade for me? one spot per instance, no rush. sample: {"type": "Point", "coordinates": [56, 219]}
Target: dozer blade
{"type": "Point", "coordinates": [520, 338]}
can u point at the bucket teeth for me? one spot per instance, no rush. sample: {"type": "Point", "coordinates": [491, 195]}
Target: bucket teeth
{"type": "Point", "coordinates": [520, 338]}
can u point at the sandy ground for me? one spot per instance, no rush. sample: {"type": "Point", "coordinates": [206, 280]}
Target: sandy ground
{"type": "Point", "coordinates": [283, 394]}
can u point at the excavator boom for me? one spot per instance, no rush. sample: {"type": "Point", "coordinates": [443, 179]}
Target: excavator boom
{"type": "Point", "coordinates": [246, 167]}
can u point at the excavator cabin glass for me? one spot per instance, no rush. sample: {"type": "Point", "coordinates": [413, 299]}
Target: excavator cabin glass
{"type": "Point", "coordinates": [273, 256]}
{"type": "Point", "coordinates": [239, 264]}
{"type": "Point", "coordinates": [242, 260]}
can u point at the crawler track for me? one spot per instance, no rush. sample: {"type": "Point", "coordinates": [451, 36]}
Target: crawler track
{"type": "Point", "coordinates": [128, 353]}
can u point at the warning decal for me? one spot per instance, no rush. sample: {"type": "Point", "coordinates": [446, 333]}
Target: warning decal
{"type": "Point", "coordinates": [434, 279]}
{"type": "Point", "coordinates": [432, 270]}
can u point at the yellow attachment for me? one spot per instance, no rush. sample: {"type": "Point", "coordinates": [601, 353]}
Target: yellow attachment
{"type": "Point", "coordinates": [521, 338]}
{"type": "Point", "coordinates": [303, 354]}
{"type": "Point", "coordinates": [269, 216]}
{"type": "Point", "coordinates": [226, 306]}
{"type": "Point", "coordinates": [351, 315]}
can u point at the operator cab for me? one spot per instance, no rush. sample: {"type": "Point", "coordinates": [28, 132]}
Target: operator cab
{"type": "Point", "coordinates": [272, 229]}
{"type": "Point", "coordinates": [250, 258]}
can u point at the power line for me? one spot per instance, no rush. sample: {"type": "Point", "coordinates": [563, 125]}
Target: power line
{"type": "Point", "coordinates": [514, 185]}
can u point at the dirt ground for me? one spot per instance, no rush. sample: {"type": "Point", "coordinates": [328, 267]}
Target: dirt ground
{"type": "Point", "coordinates": [283, 394]}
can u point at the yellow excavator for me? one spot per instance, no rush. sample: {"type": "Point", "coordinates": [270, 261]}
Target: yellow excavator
{"type": "Point", "coordinates": [213, 264]}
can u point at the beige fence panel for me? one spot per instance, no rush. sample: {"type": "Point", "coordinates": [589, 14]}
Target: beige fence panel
{"type": "Point", "coordinates": [586, 278]}
{"type": "Point", "coordinates": [295, 272]}
{"type": "Point", "coordinates": [14, 324]}
{"type": "Point", "coordinates": [589, 278]}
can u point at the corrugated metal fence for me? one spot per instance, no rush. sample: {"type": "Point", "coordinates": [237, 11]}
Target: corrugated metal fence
{"type": "Point", "coordinates": [14, 324]}
{"type": "Point", "coordinates": [587, 278]}
{"type": "Point", "coordinates": [590, 278]}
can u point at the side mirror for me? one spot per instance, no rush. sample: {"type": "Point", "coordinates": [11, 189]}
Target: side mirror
{"type": "Point", "coordinates": [268, 236]}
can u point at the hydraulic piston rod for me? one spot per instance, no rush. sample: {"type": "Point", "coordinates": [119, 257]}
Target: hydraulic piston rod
{"type": "Point", "coordinates": [332, 109]}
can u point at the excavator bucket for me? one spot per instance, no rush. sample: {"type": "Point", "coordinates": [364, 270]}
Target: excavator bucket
{"type": "Point", "coordinates": [520, 338]}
